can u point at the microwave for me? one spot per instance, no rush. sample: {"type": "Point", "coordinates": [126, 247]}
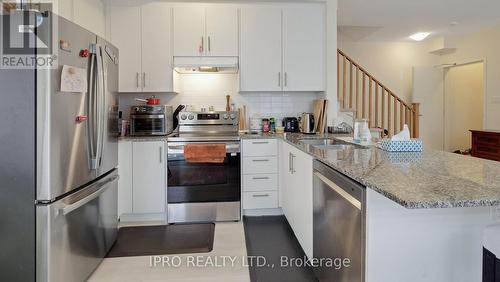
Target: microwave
{"type": "Point", "coordinates": [151, 120]}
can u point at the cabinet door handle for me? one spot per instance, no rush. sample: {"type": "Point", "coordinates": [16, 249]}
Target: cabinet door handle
{"type": "Point", "coordinates": [279, 78]}
{"type": "Point", "coordinates": [260, 195]}
{"type": "Point", "coordinates": [144, 79]}
{"type": "Point", "coordinates": [290, 162]}
{"type": "Point", "coordinates": [161, 154]}
{"type": "Point", "coordinates": [263, 160]}
{"type": "Point", "coordinates": [137, 80]}
{"type": "Point", "coordinates": [209, 44]}
{"type": "Point", "coordinates": [202, 45]}
{"type": "Point", "coordinates": [286, 79]}
{"type": "Point", "coordinates": [260, 142]}
{"type": "Point", "coordinates": [260, 178]}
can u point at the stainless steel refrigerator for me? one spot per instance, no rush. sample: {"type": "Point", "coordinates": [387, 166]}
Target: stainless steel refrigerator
{"type": "Point", "coordinates": [58, 152]}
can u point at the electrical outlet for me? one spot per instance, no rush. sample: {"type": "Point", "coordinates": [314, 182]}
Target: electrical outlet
{"type": "Point", "coordinates": [495, 213]}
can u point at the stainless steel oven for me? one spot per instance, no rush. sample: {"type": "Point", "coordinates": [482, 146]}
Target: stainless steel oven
{"type": "Point", "coordinates": [147, 120]}
{"type": "Point", "coordinates": [204, 192]}
{"type": "Point", "coordinates": [200, 192]}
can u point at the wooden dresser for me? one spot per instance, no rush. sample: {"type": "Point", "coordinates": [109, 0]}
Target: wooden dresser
{"type": "Point", "coordinates": [486, 144]}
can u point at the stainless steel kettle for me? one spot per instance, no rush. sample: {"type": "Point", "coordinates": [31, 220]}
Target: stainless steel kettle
{"type": "Point", "coordinates": [306, 123]}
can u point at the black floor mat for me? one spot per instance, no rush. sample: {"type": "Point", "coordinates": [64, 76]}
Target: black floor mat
{"type": "Point", "coordinates": [272, 237]}
{"type": "Point", "coordinates": [163, 240]}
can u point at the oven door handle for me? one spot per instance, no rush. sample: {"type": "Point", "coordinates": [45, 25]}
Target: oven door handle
{"type": "Point", "coordinates": [180, 147]}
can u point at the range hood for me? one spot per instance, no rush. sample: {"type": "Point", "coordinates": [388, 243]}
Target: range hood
{"type": "Point", "coordinates": [205, 64]}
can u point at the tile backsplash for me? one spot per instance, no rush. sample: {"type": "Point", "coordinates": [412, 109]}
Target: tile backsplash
{"type": "Point", "coordinates": [203, 90]}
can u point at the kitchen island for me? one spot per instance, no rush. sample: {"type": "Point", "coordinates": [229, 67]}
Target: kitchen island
{"type": "Point", "coordinates": [425, 212]}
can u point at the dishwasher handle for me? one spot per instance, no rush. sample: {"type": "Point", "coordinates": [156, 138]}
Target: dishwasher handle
{"type": "Point", "coordinates": [348, 197]}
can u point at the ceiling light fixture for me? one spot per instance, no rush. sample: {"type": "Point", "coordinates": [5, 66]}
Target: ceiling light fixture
{"type": "Point", "coordinates": [419, 36]}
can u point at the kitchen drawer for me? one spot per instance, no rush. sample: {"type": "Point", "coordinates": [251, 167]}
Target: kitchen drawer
{"type": "Point", "coordinates": [260, 200]}
{"type": "Point", "coordinates": [258, 165]}
{"type": "Point", "coordinates": [260, 147]}
{"type": "Point", "coordinates": [260, 182]}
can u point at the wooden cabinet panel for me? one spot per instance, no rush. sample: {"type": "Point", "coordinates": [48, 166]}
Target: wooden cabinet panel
{"type": "Point", "coordinates": [486, 144]}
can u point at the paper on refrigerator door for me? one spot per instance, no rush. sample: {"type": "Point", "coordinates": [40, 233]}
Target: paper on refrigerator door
{"type": "Point", "coordinates": [73, 79]}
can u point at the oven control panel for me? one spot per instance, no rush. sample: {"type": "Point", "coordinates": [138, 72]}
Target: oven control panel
{"type": "Point", "coordinates": [147, 110]}
{"type": "Point", "coordinates": [208, 117]}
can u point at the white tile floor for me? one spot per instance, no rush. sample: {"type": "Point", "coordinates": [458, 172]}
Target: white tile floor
{"type": "Point", "coordinates": [229, 241]}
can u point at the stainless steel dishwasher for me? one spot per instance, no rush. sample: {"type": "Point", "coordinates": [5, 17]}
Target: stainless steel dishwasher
{"type": "Point", "coordinates": [339, 225]}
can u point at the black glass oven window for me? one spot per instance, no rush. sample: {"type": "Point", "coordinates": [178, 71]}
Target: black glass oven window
{"type": "Point", "coordinates": [146, 125]}
{"type": "Point", "coordinates": [204, 182]}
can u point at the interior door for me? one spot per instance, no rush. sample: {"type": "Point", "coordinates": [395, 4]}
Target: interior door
{"type": "Point", "coordinates": [464, 104]}
{"type": "Point", "coordinates": [222, 31]}
{"type": "Point", "coordinates": [260, 56]}
{"type": "Point", "coordinates": [189, 31]}
{"type": "Point", "coordinates": [156, 47]}
{"type": "Point", "coordinates": [125, 22]}
{"type": "Point", "coordinates": [428, 90]}
{"type": "Point", "coordinates": [304, 47]}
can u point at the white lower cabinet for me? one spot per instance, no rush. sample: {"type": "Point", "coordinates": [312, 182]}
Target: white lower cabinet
{"type": "Point", "coordinates": [260, 174]}
{"type": "Point", "coordinates": [297, 193]}
{"type": "Point", "coordinates": [142, 186]}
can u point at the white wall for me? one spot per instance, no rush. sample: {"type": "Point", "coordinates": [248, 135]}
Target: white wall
{"type": "Point", "coordinates": [481, 45]}
{"type": "Point", "coordinates": [389, 62]}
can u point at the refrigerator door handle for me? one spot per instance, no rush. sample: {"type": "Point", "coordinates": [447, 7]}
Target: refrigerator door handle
{"type": "Point", "coordinates": [74, 206]}
{"type": "Point", "coordinates": [91, 131]}
{"type": "Point", "coordinates": [103, 112]}
{"type": "Point", "coordinates": [98, 99]}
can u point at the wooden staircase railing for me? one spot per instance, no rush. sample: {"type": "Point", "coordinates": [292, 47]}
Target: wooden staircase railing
{"type": "Point", "coordinates": [359, 92]}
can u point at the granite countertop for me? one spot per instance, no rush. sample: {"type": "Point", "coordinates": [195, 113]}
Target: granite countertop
{"type": "Point", "coordinates": [415, 180]}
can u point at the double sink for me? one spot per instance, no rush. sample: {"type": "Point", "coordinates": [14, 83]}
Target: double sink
{"type": "Point", "coordinates": [329, 144]}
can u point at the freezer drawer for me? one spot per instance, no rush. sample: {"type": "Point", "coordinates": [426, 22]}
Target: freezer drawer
{"type": "Point", "coordinates": [76, 232]}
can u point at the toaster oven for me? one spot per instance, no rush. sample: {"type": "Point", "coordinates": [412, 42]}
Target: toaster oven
{"type": "Point", "coordinates": [151, 120]}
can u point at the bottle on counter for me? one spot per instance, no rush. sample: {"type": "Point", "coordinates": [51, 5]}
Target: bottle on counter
{"type": "Point", "coordinates": [272, 125]}
{"type": "Point", "coordinates": [265, 125]}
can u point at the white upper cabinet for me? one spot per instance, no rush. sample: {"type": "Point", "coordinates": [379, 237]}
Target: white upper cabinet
{"type": "Point", "coordinates": [283, 48]}
{"type": "Point", "coordinates": [260, 58]}
{"type": "Point", "coordinates": [205, 30]}
{"type": "Point", "coordinates": [156, 48]}
{"type": "Point", "coordinates": [143, 37]}
{"type": "Point", "coordinates": [189, 31]}
{"type": "Point", "coordinates": [304, 47]}
{"type": "Point", "coordinates": [125, 30]}
{"type": "Point", "coordinates": [222, 31]}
